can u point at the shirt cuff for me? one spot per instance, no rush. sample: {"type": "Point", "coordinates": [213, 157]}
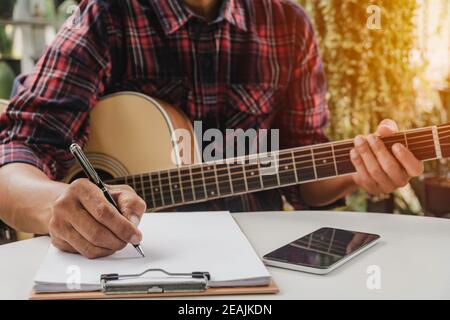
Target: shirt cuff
{"type": "Point", "coordinates": [17, 152]}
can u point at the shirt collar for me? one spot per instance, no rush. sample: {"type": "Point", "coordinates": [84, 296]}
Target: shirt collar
{"type": "Point", "coordinates": [233, 12]}
{"type": "Point", "coordinates": [173, 14]}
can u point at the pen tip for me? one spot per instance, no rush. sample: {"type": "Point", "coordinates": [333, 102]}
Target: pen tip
{"type": "Point", "coordinates": [141, 252]}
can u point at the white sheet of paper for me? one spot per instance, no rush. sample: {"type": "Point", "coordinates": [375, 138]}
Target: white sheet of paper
{"type": "Point", "coordinates": [176, 242]}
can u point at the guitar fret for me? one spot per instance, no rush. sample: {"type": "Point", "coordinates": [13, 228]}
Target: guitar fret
{"type": "Point", "coordinates": [322, 163]}
{"type": "Point", "coordinates": [210, 181]}
{"type": "Point", "coordinates": [437, 144]}
{"type": "Point", "coordinates": [175, 187]}
{"type": "Point", "coordinates": [286, 169]}
{"type": "Point", "coordinates": [156, 187]}
{"type": "Point", "coordinates": [421, 143]}
{"type": "Point", "coordinates": [204, 182]}
{"type": "Point", "coordinates": [192, 184]}
{"type": "Point", "coordinates": [334, 160]}
{"type": "Point", "coordinates": [161, 190]}
{"type": "Point", "coordinates": [314, 163]}
{"type": "Point", "coordinates": [229, 175]}
{"type": "Point", "coordinates": [217, 180]}
{"type": "Point", "coordinates": [344, 164]}
{"type": "Point", "coordinates": [151, 190]}
{"type": "Point", "coordinates": [269, 173]}
{"type": "Point", "coordinates": [170, 187]}
{"type": "Point", "coordinates": [259, 171]}
{"type": "Point", "coordinates": [144, 195]}
{"type": "Point", "coordinates": [181, 185]}
{"type": "Point", "coordinates": [304, 163]}
{"type": "Point", "coordinates": [295, 166]}
{"type": "Point", "coordinates": [187, 186]}
{"type": "Point", "coordinates": [223, 179]}
{"type": "Point", "coordinates": [237, 177]}
{"type": "Point", "coordinates": [444, 140]}
{"type": "Point", "coordinates": [244, 175]}
{"type": "Point", "coordinates": [198, 183]}
{"type": "Point", "coordinates": [166, 190]}
{"type": "Point", "coordinates": [277, 167]}
{"type": "Point", "coordinates": [252, 176]}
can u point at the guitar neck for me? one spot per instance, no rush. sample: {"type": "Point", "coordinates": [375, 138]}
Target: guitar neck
{"type": "Point", "coordinates": [213, 180]}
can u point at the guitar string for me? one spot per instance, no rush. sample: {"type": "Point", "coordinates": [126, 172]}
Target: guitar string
{"type": "Point", "coordinates": [280, 160]}
{"type": "Point", "coordinates": [282, 153]}
{"type": "Point", "coordinates": [233, 176]}
{"type": "Point", "coordinates": [204, 165]}
{"type": "Point", "coordinates": [163, 195]}
{"type": "Point", "coordinates": [216, 184]}
{"type": "Point", "coordinates": [232, 161]}
{"type": "Point", "coordinates": [241, 169]}
{"type": "Point", "coordinates": [205, 187]}
{"type": "Point", "coordinates": [204, 193]}
{"type": "Point", "coordinates": [307, 149]}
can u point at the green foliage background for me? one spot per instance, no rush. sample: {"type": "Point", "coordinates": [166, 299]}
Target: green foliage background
{"type": "Point", "coordinates": [370, 75]}
{"type": "Point", "coordinates": [368, 71]}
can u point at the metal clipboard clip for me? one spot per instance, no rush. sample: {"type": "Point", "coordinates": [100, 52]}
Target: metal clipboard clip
{"type": "Point", "coordinates": [139, 284]}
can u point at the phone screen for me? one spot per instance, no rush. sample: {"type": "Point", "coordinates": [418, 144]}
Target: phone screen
{"type": "Point", "coordinates": [322, 248]}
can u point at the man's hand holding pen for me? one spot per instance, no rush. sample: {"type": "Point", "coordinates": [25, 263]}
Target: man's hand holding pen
{"type": "Point", "coordinates": [83, 221]}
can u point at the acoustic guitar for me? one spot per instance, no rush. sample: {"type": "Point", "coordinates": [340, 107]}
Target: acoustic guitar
{"type": "Point", "coordinates": [164, 181]}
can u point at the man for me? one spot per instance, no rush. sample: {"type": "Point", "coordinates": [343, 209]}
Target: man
{"type": "Point", "coordinates": [231, 63]}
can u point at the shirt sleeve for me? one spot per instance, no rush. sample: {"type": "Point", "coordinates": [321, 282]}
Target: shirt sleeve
{"type": "Point", "coordinates": [51, 108]}
{"type": "Point", "coordinates": [304, 115]}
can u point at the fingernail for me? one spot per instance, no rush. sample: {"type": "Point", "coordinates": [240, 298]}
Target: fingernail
{"type": "Point", "coordinates": [372, 139]}
{"type": "Point", "coordinates": [398, 147]}
{"type": "Point", "coordinates": [135, 220]}
{"type": "Point", "coordinates": [359, 140]}
{"type": "Point", "coordinates": [353, 154]}
{"type": "Point", "coordinates": [134, 239]}
{"type": "Point", "coordinates": [390, 125]}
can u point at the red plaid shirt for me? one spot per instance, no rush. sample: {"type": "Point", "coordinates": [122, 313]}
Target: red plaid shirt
{"type": "Point", "coordinates": [256, 66]}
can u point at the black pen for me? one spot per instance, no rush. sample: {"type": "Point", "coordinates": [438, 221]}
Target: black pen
{"type": "Point", "coordinates": [94, 178]}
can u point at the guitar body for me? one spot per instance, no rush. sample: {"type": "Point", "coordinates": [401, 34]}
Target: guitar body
{"type": "Point", "coordinates": [132, 134]}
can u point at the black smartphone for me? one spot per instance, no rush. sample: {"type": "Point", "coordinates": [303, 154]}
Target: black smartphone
{"type": "Point", "coordinates": [321, 251]}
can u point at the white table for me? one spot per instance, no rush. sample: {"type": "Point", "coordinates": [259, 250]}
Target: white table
{"type": "Point", "coordinates": [413, 256]}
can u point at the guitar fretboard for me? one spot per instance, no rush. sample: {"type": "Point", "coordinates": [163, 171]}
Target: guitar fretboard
{"type": "Point", "coordinates": [207, 181]}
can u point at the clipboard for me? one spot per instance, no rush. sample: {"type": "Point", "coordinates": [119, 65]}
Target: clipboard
{"type": "Point", "coordinates": [115, 286]}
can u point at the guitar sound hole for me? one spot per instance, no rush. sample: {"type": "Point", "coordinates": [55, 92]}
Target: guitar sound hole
{"type": "Point", "coordinates": [105, 176]}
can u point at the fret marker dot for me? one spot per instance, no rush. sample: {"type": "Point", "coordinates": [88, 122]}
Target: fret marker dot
{"type": "Point", "coordinates": [212, 193]}
{"type": "Point", "coordinates": [324, 161]}
{"type": "Point", "coordinates": [156, 189]}
{"type": "Point", "coordinates": [286, 168]}
{"type": "Point", "coordinates": [175, 186]}
{"type": "Point", "coordinates": [252, 173]}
